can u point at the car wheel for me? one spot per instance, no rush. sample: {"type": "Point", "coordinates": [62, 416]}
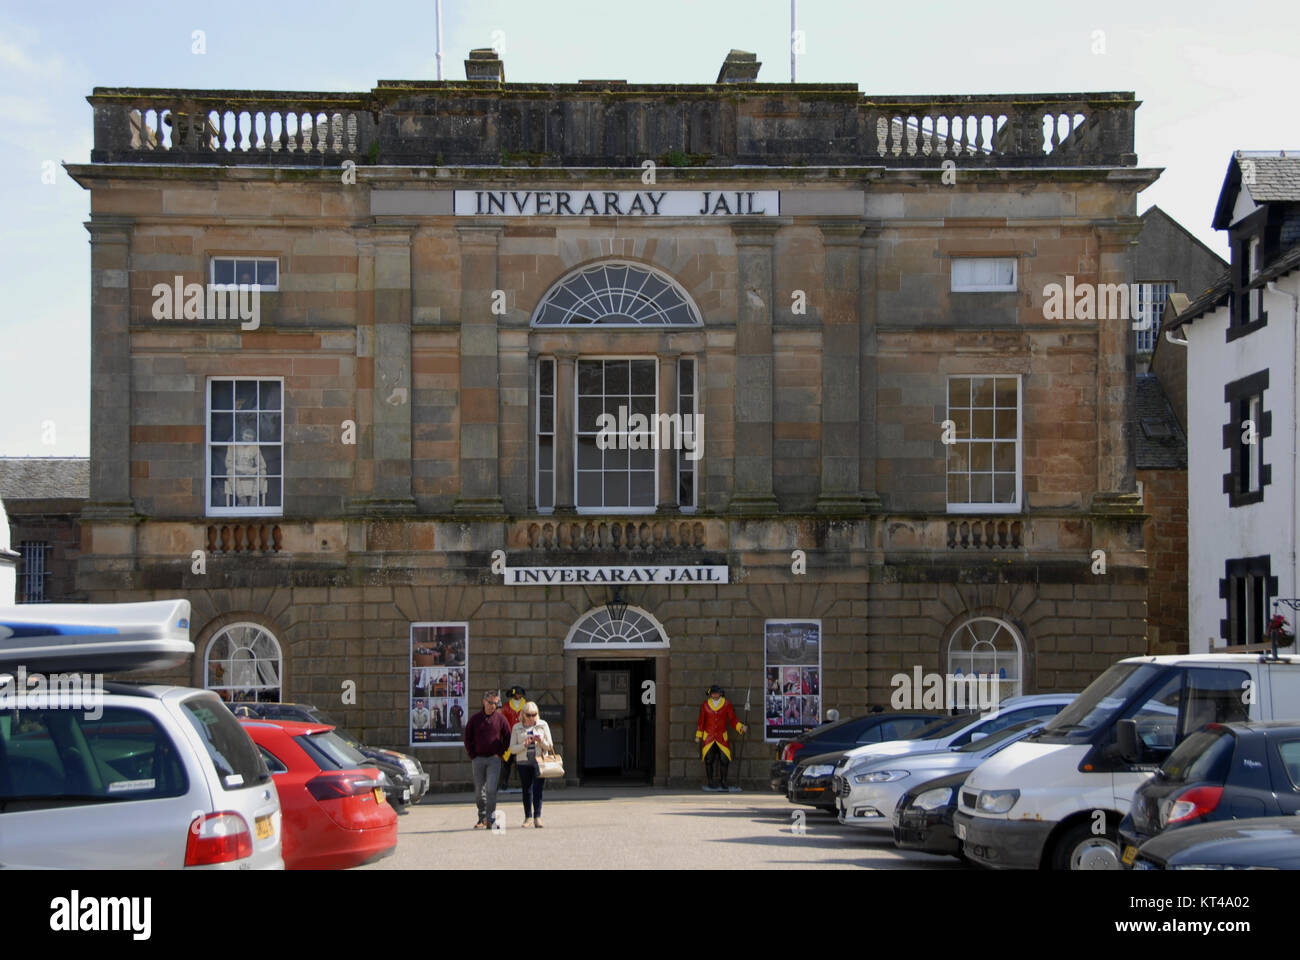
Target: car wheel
{"type": "Point", "coordinates": [1081, 849]}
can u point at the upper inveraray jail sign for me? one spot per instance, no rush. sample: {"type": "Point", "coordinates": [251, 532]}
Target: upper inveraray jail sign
{"type": "Point", "coordinates": [623, 203]}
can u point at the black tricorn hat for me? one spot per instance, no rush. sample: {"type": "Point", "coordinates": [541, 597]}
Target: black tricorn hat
{"type": "Point", "coordinates": [718, 690]}
{"type": "Point", "coordinates": [516, 691]}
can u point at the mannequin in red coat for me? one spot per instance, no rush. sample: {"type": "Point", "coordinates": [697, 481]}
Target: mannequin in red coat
{"type": "Point", "coordinates": [716, 716]}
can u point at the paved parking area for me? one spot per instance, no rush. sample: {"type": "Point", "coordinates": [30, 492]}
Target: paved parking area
{"type": "Point", "coordinates": [643, 828]}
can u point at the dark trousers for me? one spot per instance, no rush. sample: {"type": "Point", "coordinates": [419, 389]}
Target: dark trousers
{"type": "Point", "coordinates": [506, 767]}
{"type": "Point", "coordinates": [712, 760]}
{"type": "Point", "coordinates": [532, 786]}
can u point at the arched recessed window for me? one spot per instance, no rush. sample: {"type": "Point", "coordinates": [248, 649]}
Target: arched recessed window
{"type": "Point", "coordinates": [596, 629]}
{"type": "Point", "coordinates": [243, 664]}
{"type": "Point", "coordinates": [987, 646]}
{"type": "Point", "coordinates": [616, 293]}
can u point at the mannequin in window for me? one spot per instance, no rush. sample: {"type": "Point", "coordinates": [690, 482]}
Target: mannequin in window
{"type": "Point", "coordinates": [245, 472]}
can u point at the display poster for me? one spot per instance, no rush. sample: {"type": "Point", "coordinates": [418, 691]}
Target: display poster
{"type": "Point", "coordinates": [439, 683]}
{"type": "Point", "coordinates": [792, 668]}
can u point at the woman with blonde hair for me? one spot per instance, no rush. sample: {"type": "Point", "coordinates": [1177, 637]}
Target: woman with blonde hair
{"type": "Point", "coordinates": [529, 737]}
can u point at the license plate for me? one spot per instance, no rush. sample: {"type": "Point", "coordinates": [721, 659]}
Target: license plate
{"type": "Point", "coordinates": [960, 830]}
{"type": "Point", "coordinates": [1130, 854]}
{"type": "Point", "coordinates": [379, 794]}
{"type": "Point", "coordinates": [265, 829]}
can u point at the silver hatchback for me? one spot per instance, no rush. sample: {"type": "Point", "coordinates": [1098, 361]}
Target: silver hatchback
{"type": "Point", "coordinates": [156, 777]}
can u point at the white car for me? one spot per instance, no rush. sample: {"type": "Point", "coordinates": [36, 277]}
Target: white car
{"type": "Point", "coordinates": [942, 735]}
{"type": "Point", "coordinates": [874, 790]}
{"type": "Point", "coordinates": [120, 775]}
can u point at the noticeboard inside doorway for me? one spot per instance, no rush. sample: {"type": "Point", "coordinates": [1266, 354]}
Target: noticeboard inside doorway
{"type": "Point", "coordinates": [792, 670]}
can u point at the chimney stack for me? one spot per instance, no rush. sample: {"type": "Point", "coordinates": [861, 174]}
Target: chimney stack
{"type": "Point", "coordinates": [739, 67]}
{"type": "Point", "coordinates": [484, 64]}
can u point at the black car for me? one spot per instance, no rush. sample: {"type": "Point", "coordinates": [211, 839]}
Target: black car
{"type": "Point", "coordinates": [409, 781]}
{"type": "Point", "coordinates": [923, 818]}
{"type": "Point", "coordinates": [840, 736]}
{"type": "Point", "coordinates": [1226, 771]}
{"type": "Point", "coordinates": [1264, 843]}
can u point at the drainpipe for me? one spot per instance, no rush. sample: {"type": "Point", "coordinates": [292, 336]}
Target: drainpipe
{"type": "Point", "coordinates": [1272, 287]}
{"type": "Point", "coordinates": [1181, 341]}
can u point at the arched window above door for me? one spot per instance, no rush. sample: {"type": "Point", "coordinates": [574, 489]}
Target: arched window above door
{"type": "Point", "coordinates": [596, 630]}
{"type": "Point", "coordinates": [617, 293]}
{"type": "Point", "coordinates": [243, 664]}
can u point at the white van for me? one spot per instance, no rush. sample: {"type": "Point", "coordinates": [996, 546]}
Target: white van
{"type": "Point", "coordinates": [120, 775]}
{"type": "Point", "coordinates": [1056, 798]}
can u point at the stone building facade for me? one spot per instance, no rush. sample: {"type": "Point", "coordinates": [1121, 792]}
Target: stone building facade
{"type": "Point", "coordinates": [43, 497]}
{"type": "Point", "coordinates": [837, 283]}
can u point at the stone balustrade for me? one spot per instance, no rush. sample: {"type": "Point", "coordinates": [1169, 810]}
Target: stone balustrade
{"type": "Point", "coordinates": [417, 123]}
{"type": "Point", "coordinates": [994, 533]}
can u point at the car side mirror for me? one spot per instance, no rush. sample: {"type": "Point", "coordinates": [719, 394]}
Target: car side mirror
{"type": "Point", "coordinates": [1126, 737]}
{"type": "Point", "coordinates": [977, 736]}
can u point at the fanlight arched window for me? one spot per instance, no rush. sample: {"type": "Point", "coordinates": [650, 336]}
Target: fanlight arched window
{"type": "Point", "coordinates": [243, 664]}
{"type": "Point", "coordinates": [596, 629]}
{"type": "Point", "coordinates": [617, 293]}
{"type": "Point", "coordinates": [986, 646]}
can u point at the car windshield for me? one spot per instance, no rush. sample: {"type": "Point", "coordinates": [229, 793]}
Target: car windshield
{"type": "Point", "coordinates": [940, 728]}
{"type": "Point", "coordinates": [1001, 736]}
{"type": "Point", "coordinates": [1102, 699]}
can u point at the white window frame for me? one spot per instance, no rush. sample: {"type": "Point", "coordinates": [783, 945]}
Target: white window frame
{"type": "Point", "coordinates": [539, 433]}
{"type": "Point", "coordinates": [1254, 452]}
{"type": "Point", "coordinates": [214, 511]}
{"type": "Point", "coordinates": [693, 505]}
{"type": "Point", "coordinates": [1152, 296]}
{"type": "Point", "coordinates": [604, 358]}
{"type": "Point", "coordinates": [998, 655]}
{"type": "Point", "coordinates": [232, 687]}
{"type": "Point", "coordinates": [571, 643]}
{"type": "Point", "coordinates": [1255, 298]}
{"type": "Point", "coordinates": [1017, 505]}
{"type": "Point", "coordinates": [236, 260]}
{"type": "Point", "coordinates": [964, 285]}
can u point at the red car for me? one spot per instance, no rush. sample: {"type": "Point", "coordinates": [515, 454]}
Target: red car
{"type": "Point", "coordinates": [333, 810]}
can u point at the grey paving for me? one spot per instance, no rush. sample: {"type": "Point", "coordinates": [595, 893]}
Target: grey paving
{"type": "Point", "coordinates": [631, 828]}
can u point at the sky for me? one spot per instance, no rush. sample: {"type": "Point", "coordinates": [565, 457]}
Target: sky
{"type": "Point", "coordinates": [1212, 78]}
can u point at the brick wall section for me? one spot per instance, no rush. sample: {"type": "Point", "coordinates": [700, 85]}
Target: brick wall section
{"type": "Point", "coordinates": [1165, 532]}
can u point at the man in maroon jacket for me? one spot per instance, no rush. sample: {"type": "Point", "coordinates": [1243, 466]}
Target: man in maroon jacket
{"type": "Point", "coordinates": [487, 737]}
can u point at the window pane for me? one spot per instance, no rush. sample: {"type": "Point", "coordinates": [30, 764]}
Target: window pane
{"type": "Point", "coordinates": [616, 459]}
{"type": "Point", "coordinates": [246, 427]}
{"type": "Point", "coordinates": [222, 395]}
{"type": "Point", "coordinates": [589, 455]}
{"type": "Point", "coordinates": [641, 459]}
{"type": "Point", "coordinates": [217, 461]}
{"type": "Point", "coordinates": [617, 377]}
{"type": "Point", "coordinates": [270, 391]}
{"type": "Point", "coordinates": [546, 378]}
{"type": "Point", "coordinates": [547, 415]}
{"type": "Point", "coordinates": [958, 457]}
{"type": "Point", "coordinates": [958, 488]}
{"type": "Point", "coordinates": [959, 392]}
{"type": "Point", "coordinates": [272, 496]}
{"type": "Point", "coordinates": [268, 272]}
{"type": "Point", "coordinates": [961, 418]}
{"type": "Point", "coordinates": [981, 424]}
{"type": "Point", "coordinates": [223, 427]}
{"type": "Point", "coordinates": [686, 377]}
{"type": "Point", "coordinates": [643, 377]}
{"type": "Point", "coordinates": [981, 456]}
{"type": "Point", "coordinates": [545, 489]}
{"type": "Point", "coordinates": [643, 488]}
{"type": "Point", "coordinates": [1004, 487]}
{"type": "Point", "coordinates": [271, 457]}
{"type": "Point", "coordinates": [590, 378]}
{"type": "Point", "coordinates": [616, 490]}
{"type": "Point", "coordinates": [245, 271]}
{"type": "Point", "coordinates": [245, 394]}
{"type": "Point", "coordinates": [589, 489]}
{"type": "Point", "coordinates": [981, 488]}
{"type": "Point", "coordinates": [1006, 424]}
{"type": "Point", "coordinates": [982, 392]}
{"type": "Point", "coordinates": [223, 270]}
{"type": "Point", "coordinates": [686, 488]}
{"type": "Point", "coordinates": [269, 426]}
{"type": "Point", "coordinates": [646, 407]}
{"type": "Point", "coordinates": [589, 411]}
{"type": "Point", "coordinates": [1004, 457]}
{"type": "Point", "coordinates": [1006, 392]}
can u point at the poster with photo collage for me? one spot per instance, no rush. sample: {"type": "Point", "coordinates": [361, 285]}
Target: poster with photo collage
{"type": "Point", "coordinates": [439, 683]}
{"type": "Point", "coordinates": [792, 670]}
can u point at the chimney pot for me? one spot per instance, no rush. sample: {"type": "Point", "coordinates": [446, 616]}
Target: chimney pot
{"type": "Point", "coordinates": [741, 66]}
{"type": "Point", "coordinates": [484, 64]}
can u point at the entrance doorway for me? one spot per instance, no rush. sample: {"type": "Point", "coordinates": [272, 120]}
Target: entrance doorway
{"type": "Point", "coordinates": [616, 730]}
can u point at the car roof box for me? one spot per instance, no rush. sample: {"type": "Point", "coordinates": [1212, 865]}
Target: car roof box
{"type": "Point", "coordinates": [96, 637]}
